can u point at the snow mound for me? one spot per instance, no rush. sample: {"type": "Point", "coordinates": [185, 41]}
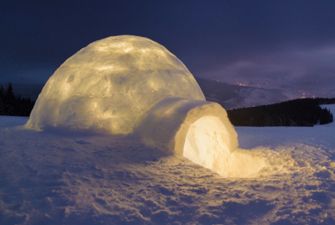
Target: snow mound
{"type": "Point", "coordinates": [110, 85]}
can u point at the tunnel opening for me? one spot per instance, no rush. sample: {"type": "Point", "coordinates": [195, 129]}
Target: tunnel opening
{"type": "Point", "coordinates": [207, 142]}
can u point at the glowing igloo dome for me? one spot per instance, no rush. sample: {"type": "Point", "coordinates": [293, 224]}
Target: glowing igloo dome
{"type": "Point", "coordinates": [133, 86]}
{"type": "Point", "coordinates": [111, 84]}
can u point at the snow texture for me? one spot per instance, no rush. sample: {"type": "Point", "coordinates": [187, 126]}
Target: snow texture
{"type": "Point", "coordinates": [72, 178]}
{"type": "Point", "coordinates": [110, 85]}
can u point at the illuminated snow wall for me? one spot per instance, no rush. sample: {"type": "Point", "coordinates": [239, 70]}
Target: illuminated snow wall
{"type": "Point", "coordinates": [110, 85]}
{"type": "Point", "coordinates": [132, 85]}
{"type": "Point", "coordinates": [201, 132]}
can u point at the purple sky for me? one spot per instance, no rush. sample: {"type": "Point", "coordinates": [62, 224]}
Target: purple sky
{"type": "Point", "coordinates": [287, 45]}
{"type": "Point", "coordinates": [309, 72]}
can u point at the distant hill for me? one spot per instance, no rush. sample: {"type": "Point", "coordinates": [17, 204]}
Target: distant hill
{"type": "Point", "coordinates": [234, 96]}
{"type": "Point", "coordinates": [298, 112]}
{"type": "Point", "coordinates": [230, 96]}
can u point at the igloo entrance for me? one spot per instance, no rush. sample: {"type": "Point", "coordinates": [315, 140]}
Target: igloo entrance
{"type": "Point", "coordinates": [207, 143]}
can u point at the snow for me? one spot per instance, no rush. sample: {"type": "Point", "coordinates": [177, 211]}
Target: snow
{"type": "Point", "coordinates": [110, 85]}
{"type": "Point", "coordinates": [331, 108]}
{"type": "Point", "coordinates": [205, 142]}
{"type": "Point", "coordinates": [83, 178]}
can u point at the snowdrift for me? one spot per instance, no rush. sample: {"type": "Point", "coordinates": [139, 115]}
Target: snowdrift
{"type": "Point", "coordinates": [128, 85]}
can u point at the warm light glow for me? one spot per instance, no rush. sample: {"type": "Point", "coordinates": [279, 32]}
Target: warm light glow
{"type": "Point", "coordinates": [208, 144]}
{"type": "Point", "coordinates": [111, 84]}
{"type": "Point", "coordinates": [242, 84]}
{"type": "Point", "coordinates": [127, 84]}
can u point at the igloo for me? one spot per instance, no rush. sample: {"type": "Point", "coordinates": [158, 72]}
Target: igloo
{"type": "Point", "coordinates": [129, 85]}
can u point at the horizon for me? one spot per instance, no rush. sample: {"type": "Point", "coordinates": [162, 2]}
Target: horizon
{"type": "Point", "coordinates": [32, 91]}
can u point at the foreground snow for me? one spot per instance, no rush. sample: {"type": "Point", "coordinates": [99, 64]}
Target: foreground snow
{"type": "Point", "coordinates": [63, 178]}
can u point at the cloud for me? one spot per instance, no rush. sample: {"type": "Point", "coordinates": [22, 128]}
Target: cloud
{"type": "Point", "coordinates": [311, 71]}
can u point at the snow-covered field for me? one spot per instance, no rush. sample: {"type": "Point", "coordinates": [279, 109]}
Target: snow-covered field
{"type": "Point", "coordinates": [58, 177]}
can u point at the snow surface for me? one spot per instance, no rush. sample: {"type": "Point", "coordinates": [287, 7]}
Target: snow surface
{"type": "Point", "coordinates": [59, 177]}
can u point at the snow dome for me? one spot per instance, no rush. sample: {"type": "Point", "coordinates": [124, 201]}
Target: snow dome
{"type": "Point", "coordinates": [110, 85]}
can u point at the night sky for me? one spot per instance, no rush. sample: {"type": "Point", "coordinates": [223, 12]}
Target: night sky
{"type": "Point", "coordinates": [287, 45]}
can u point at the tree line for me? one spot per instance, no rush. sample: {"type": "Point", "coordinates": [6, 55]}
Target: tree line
{"type": "Point", "coordinates": [13, 105]}
{"type": "Point", "coordinates": [299, 112]}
